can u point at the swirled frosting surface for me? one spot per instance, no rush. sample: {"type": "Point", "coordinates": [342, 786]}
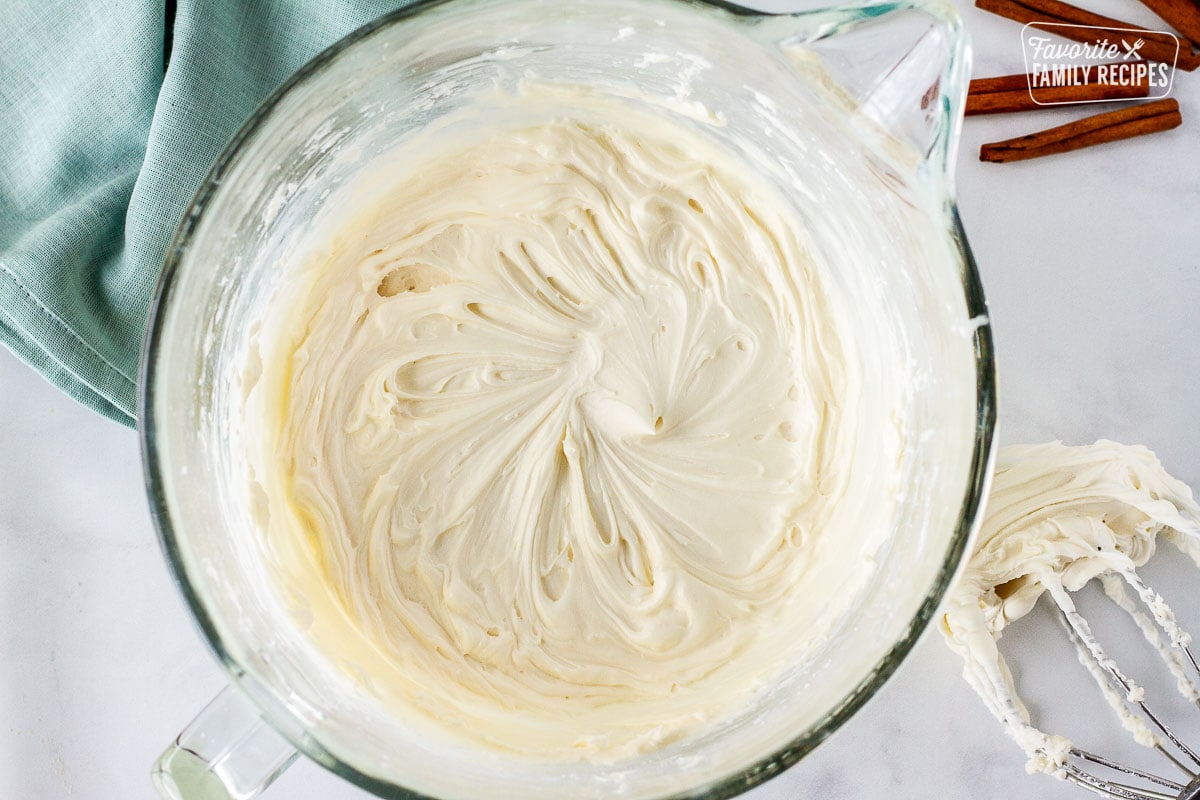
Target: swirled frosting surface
{"type": "Point", "coordinates": [562, 422]}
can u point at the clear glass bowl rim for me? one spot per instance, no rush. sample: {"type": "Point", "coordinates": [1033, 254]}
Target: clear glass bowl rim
{"type": "Point", "coordinates": [730, 785]}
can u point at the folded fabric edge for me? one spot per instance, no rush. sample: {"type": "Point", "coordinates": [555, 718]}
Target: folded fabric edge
{"type": "Point", "coordinates": [23, 325]}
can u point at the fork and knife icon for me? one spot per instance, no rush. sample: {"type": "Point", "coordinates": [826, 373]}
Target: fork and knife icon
{"type": "Point", "coordinates": [1131, 50]}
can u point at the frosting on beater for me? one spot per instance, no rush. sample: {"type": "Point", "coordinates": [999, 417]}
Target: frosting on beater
{"type": "Point", "coordinates": [564, 420]}
{"type": "Point", "coordinates": [1057, 518]}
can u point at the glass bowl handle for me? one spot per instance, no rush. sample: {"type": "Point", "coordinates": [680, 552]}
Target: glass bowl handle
{"type": "Point", "coordinates": [904, 65]}
{"type": "Point", "coordinates": [228, 752]}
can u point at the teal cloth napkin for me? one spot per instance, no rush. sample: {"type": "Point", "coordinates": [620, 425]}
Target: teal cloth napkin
{"type": "Point", "coordinates": [102, 148]}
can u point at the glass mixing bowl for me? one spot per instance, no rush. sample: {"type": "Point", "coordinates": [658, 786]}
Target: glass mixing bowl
{"type": "Point", "coordinates": [885, 80]}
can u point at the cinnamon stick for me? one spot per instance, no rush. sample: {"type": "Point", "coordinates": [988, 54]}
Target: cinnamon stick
{"type": "Point", "coordinates": [999, 83]}
{"type": "Point", "coordinates": [1112, 126]}
{"type": "Point", "coordinates": [1005, 93]}
{"type": "Point", "coordinates": [1182, 15]}
{"type": "Point", "coordinates": [1157, 47]}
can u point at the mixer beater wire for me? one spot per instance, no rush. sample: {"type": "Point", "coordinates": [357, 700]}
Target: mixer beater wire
{"type": "Point", "coordinates": [1127, 698]}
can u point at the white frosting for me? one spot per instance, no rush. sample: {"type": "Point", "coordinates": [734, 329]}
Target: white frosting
{"type": "Point", "coordinates": [1058, 517]}
{"type": "Point", "coordinates": [561, 422]}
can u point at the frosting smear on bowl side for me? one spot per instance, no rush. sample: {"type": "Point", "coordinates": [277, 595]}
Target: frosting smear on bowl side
{"type": "Point", "coordinates": [1058, 517]}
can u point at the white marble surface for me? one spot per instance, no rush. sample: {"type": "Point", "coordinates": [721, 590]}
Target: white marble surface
{"type": "Point", "coordinates": [1090, 261]}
